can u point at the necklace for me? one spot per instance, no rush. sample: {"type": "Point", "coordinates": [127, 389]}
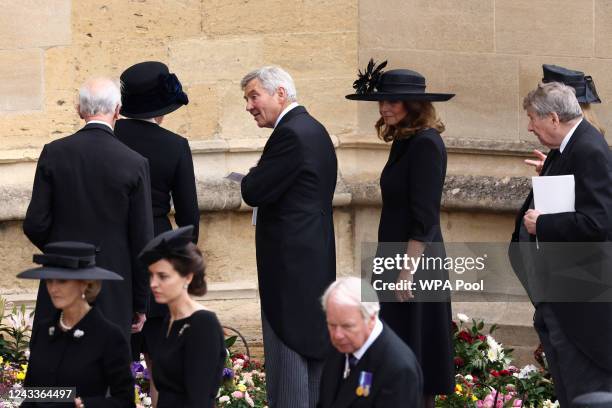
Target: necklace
{"type": "Point", "coordinates": [63, 325]}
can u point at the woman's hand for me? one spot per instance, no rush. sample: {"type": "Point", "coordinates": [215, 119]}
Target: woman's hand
{"type": "Point", "coordinates": [78, 403]}
{"type": "Point", "coordinates": [538, 163]}
{"type": "Point", "coordinates": [404, 278]}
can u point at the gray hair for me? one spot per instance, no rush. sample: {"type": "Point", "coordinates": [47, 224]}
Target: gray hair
{"type": "Point", "coordinates": [553, 97]}
{"type": "Point", "coordinates": [99, 96]}
{"type": "Point", "coordinates": [272, 78]}
{"type": "Point", "coordinates": [349, 291]}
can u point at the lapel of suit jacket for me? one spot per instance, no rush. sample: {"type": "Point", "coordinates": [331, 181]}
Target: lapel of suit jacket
{"type": "Point", "coordinates": [370, 363]}
{"type": "Point", "coordinates": [333, 372]}
{"type": "Point", "coordinates": [561, 166]}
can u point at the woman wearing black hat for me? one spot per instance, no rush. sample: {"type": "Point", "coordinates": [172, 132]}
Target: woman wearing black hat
{"type": "Point", "coordinates": [189, 362]}
{"type": "Point", "coordinates": [586, 93]}
{"type": "Point", "coordinates": [411, 186]}
{"type": "Point", "coordinates": [78, 347]}
{"type": "Point", "coordinates": [149, 92]}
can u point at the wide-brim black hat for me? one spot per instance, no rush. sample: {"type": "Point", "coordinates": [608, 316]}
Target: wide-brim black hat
{"type": "Point", "coordinates": [394, 85]}
{"type": "Point", "coordinates": [582, 84]}
{"type": "Point", "coordinates": [169, 244]}
{"type": "Point", "coordinates": [150, 90]}
{"type": "Point", "coordinates": [69, 261]}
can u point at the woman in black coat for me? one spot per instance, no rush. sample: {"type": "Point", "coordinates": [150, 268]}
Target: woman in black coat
{"type": "Point", "coordinates": [411, 186]}
{"type": "Point", "coordinates": [190, 360]}
{"type": "Point", "coordinates": [78, 347]}
{"type": "Point", "coordinates": [149, 92]}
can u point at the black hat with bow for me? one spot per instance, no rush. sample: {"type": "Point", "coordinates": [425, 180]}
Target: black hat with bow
{"type": "Point", "coordinates": [583, 84]}
{"type": "Point", "coordinates": [374, 84]}
{"type": "Point", "coordinates": [150, 90]}
{"type": "Point", "coordinates": [70, 261]}
{"type": "Point", "coordinates": [169, 244]}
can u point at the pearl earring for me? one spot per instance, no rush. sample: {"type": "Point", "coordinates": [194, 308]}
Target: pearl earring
{"type": "Point", "coordinates": [83, 295]}
{"type": "Point", "coordinates": [186, 286]}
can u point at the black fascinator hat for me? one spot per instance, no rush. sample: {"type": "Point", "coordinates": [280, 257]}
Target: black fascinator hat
{"type": "Point", "coordinates": [169, 244]}
{"type": "Point", "coordinates": [150, 90]}
{"type": "Point", "coordinates": [70, 261]}
{"type": "Point", "coordinates": [583, 84]}
{"type": "Point", "coordinates": [374, 84]}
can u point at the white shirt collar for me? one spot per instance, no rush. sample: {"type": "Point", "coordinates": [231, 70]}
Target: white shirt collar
{"type": "Point", "coordinates": [284, 112]}
{"type": "Point", "coordinates": [376, 331]}
{"type": "Point", "coordinates": [100, 123]}
{"type": "Point", "coordinates": [567, 137]}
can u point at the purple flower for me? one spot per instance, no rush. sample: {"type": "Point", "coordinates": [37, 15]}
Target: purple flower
{"type": "Point", "coordinates": [228, 373]}
{"type": "Point", "coordinates": [136, 368]}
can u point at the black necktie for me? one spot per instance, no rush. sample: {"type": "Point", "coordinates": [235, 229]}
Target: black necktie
{"type": "Point", "coordinates": [554, 156]}
{"type": "Point", "coordinates": [352, 361]}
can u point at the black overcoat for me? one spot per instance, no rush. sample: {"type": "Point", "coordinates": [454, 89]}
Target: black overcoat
{"type": "Point", "coordinates": [411, 186]}
{"type": "Point", "coordinates": [588, 325]}
{"type": "Point", "coordinates": [293, 186]}
{"type": "Point", "coordinates": [397, 380]}
{"type": "Point", "coordinates": [172, 178]}
{"type": "Point", "coordinates": [90, 187]}
{"type": "Point", "coordinates": [95, 363]}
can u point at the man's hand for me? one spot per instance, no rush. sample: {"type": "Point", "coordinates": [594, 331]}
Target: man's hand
{"type": "Point", "coordinates": [405, 278]}
{"type": "Point", "coordinates": [138, 321]}
{"type": "Point", "coordinates": [538, 163]}
{"type": "Point", "coordinates": [530, 220]}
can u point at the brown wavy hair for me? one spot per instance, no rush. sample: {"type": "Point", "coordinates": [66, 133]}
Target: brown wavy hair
{"type": "Point", "coordinates": [421, 115]}
{"type": "Point", "coordinates": [589, 115]}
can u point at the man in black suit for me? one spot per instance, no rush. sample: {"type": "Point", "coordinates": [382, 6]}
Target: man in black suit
{"type": "Point", "coordinates": [292, 187]}
{"type": "Point", "coordinates": [372, 366]}
{"type": "Point", "coordinates": [90, 187]}
{"type": "Point", "coordinates": [576, 334]}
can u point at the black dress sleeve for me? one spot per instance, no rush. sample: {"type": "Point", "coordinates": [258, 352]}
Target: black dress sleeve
{"type": "Point", "coordinates": [425, 184]}
{"type": "Point", "coordinates": [39, 216]}
{"type": "Point", "coordinates": [278, 166]}
{"type": "Point", "coordinates": [203, 371]}
{"type": "Point", "coordinates": [117, 373]}
{"type": "Point", "coordinates": [184, 194]}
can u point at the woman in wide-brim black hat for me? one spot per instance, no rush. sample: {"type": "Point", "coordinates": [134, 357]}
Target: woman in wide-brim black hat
{"type": "Point", "coordinates": [411, 185]}
{"type": "Point", "coordinates": [149, 93]}
{"type": "Point", "coordinates": [78, 347]}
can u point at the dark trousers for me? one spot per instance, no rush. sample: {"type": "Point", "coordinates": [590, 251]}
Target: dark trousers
{"type": "Point", "coordinates": [292, 381]}
{"type": "Point", "coordinates": [573, 372]}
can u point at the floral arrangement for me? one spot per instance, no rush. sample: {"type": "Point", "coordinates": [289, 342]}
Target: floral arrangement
{"type": "Point", "coordinates": [244, 381]}
{"type": "Point", "coordinates": [142, 383]}
{"type": "Point", "coordinates": [485, 377]}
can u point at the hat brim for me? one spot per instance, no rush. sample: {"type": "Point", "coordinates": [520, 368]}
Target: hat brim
{"type": "Point", "coordinates": [148, 115]}
{"type": "Point", "coordinates": [52, 272]}
{"type": "Point", "coordinates": [389, 96]}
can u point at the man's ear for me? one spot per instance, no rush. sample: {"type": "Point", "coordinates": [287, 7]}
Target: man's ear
{"type": "Point", "coordinates": [282, 93]}
{"type": "Point", "coordinates": [116, 114]}
{"type": "Point", "coordinates": [555, 118]}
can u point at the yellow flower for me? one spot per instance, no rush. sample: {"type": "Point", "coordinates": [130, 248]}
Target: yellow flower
{"type": "Point", "coordinates": [1, 360]}
{"type": "Point", "coordinates": [474, 398]}
{"type": "Point", "coordinates": [458, 389]}
{"type": "Point", "coordinates": [136, 396]}
{"type": "Point", "coordinates": [242, 387]}
{"type": "Point", "coordinates": [20, 376]}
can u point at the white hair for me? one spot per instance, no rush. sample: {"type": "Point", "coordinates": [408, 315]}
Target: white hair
{"type": "Point", "coordinates": [349, 291]}
{"type": "Point", "coordinates": [272, 78]}
{"type": "Point", "coordinates": [553, 97]}
{"type": "Point", "coordinates": [99, 96]}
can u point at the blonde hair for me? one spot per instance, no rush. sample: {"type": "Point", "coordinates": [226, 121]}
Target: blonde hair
{"type": "Point", "coordinates": [591, 117]}
{"type": "Point", "coordinates": [421, 115]}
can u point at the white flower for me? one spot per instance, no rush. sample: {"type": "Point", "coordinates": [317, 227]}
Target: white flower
{"type": "Point", "coordinates": [51, 330]}
{"type": "Point", "coordinates": [78, 333]}
{"type": "Point", "coordinates": [527, 371]}
{"type": "Point", "coordinates": [224, 399]}
{"type": "Point", "coordinates": [495, 351]}
{"type": "Point", "coordinates": [146, 401]}
{"type": "Point", "coordinates": [248, 399]}
{"type": "Point", "coordinates": [550, 404]}
{"type": "Point", "coordinates": [463, 317]}
{"type": "Point", "coordinates": [469, 378]}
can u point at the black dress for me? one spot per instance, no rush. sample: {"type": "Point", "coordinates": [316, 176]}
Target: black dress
{"type": "Point", "coordinates": [189, 365]}
{"type": "Point", "coordinates": [96, 362]}
{"type": "Point", "coordinates": [411, 185]}
{"type": "Point", "coordinates": [172, 179]}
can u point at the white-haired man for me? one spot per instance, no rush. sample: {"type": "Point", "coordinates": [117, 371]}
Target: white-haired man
{"type": "Point", "coordinates": [372, 367]}
{"type": "Point", "coordinates": [576, 333]}
{"type": "Point", "coordinates": [292, 185]}
{"type": "Point", "coordinates": [90, 187]}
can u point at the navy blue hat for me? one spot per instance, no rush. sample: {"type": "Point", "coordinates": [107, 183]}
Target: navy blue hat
{"type": "Point", "coordinates": [68, 260]}
{"type": "Point", "coordinates": [374, 84]}
{"type": "Point", "coordinates": [584, 85]}
{"type": "Point", "coordinates": [169, 244]}
{"type": "Point", "coordinates": [150, 90]}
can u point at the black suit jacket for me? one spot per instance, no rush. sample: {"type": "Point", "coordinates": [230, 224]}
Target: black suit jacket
{"type": "Point", "coordinates": [96, 362]}
{"type": "Point", "coordinates": [293, 185]}
{"type": "Point", "coordinates": [588, 325]}
{"type": "Point", "coordinates": [397, 380]}
{"type": "Point", "coordinates": [90, 187]}
{"type": "Point", "coordinates": [172, 178]}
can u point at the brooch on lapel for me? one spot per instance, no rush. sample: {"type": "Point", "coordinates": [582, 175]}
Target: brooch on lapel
{"type": "Point", "coordinates": [185, 326]}
{"type": "Point", "coordinates": [78, 334]}
{"type": "Point", "coordinates": [365, 383]}
{"type": "Point", "coordinates": [51, 330]}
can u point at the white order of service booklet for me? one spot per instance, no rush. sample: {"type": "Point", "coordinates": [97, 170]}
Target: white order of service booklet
{"type": "Point", "coordinates": [554, 194]}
